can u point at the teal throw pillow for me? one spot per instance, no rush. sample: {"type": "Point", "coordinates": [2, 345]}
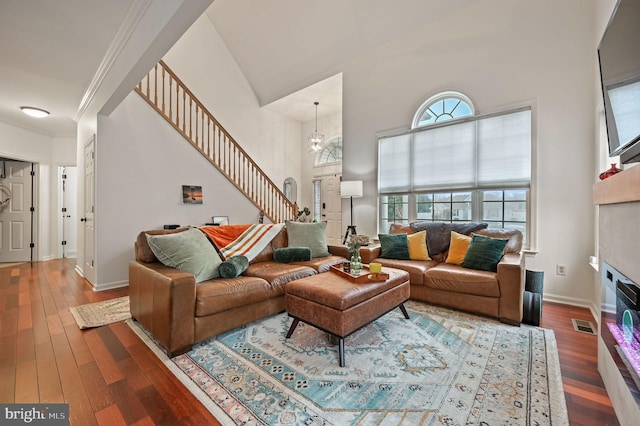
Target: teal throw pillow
{"type": "Point", "coordinates": [484, 253]}
{"type": "Point", "coordinates": [394, 246]}
{"type": "Point", "coordinates": [312, 235]}
{"type": "Point", "coordinates": [292, 254]}
{"type": "Point", "coordinates": [233, 266]}
{"type": "Point", "coordinates": [188, 251]}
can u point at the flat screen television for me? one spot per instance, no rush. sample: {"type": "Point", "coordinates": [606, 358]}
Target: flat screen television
{"type": "Point", "coordinates": [619, 56]}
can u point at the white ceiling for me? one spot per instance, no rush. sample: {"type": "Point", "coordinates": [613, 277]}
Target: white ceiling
{"type": "Point", "coordinates": [283, 46]}
{"type": "Point", "coordinates": [300, 106]}
{"type": "Point", "coordinates": [291, 51]}
{"type": "Point", "coordinates": [50, 52]}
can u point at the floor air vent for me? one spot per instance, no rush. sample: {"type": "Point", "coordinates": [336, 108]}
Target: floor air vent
{"type": "Point", "coordinates": [583, 326]}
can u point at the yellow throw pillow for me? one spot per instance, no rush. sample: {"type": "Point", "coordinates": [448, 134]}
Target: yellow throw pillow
{"type": "Point", "coordinates": [458, 248]}
{"type": "Point", "coordinates": [418, 246]}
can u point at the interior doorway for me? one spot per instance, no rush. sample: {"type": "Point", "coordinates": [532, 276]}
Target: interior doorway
{"type": "Point", "coordinates": [88, 267]}
{"type": "Point", "coordinates": [68, 212]}
{"type": "Point", "coordinates": [17, 186]}
{"type": "Point", "coordinates": [331, 207]}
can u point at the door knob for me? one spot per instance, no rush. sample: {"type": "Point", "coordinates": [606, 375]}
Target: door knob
{"type": "Point", "coordinates": [84, 219]}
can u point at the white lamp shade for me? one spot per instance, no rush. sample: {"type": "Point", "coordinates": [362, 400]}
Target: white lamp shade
{"type": "Point", "coordinates": [351, 188]}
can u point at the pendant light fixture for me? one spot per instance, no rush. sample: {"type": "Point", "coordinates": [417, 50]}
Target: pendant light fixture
{"type": "Point", "coordinates": [316, 140]}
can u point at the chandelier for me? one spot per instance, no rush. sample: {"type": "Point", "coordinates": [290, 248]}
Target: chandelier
{"type": "Point", "coordinates": [316, 140]}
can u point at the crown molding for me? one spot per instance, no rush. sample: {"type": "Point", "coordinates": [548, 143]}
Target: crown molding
{"type": "Point", "coordinates": [134, 14]}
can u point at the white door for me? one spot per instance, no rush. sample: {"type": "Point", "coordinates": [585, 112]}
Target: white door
{"type": "Point", "coordinates": [331, 207]}
{"type": "Point", "coordinates": [15, 213]}
{"type": "Point", "coordinates": [69, 209]}
{"type": "Point", "coordinates": [88, 267]}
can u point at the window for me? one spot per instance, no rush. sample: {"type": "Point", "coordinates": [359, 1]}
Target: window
{"type": "Point", "coordinates": [505, 209]}
{"type": "Point", "coordinates": [290, 189]}
{"type": "Point", "coordinates": [445, 207]}
{"type": "Point", "coordinates": [332, 152]}
{"type": "Point", "coordinates": [476, 168]}
{"type": "Point", "coordinates": [317, 196]}
{"type": "Point", "coordinates": [442, 107]}
{"type": "Point", "coordinates": [393, 209]}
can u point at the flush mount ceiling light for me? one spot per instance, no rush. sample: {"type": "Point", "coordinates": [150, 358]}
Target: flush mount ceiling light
{"type": "Point", "coordinates": [316, 140]}
{"type": "Point", "coordinates": [34, 112]}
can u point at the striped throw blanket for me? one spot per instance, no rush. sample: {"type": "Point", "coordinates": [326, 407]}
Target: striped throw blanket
{"type": "Point", "coordinates": [242, 240]}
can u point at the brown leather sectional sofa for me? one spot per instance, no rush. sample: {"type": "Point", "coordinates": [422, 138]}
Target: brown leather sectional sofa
{"type": "Point", "coordinates": [179, 312]}
{"type": "Point", "coordinates": [495, 294]}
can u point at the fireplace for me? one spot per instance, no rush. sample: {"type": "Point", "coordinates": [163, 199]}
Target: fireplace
{"type": "Point", "coordinates": [618, 200]}
{"type": "Point", "coordinates": [620, 325]}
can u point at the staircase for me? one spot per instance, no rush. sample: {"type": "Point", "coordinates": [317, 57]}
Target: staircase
{"type": "Point", "coordinates": [164, 91]}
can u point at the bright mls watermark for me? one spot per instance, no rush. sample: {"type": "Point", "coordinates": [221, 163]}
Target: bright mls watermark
{"type": "Point", "coordinates": [34, 414]}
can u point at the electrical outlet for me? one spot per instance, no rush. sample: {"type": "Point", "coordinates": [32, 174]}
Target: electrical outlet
{"type": "Point", "coordinates": [561, 270]}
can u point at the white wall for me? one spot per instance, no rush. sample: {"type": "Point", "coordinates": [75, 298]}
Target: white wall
{"type": "Point", "coordinates": [143, 162]}
{"type": "Point", "coordinates": [25, 145]}
{"type": "Point", "coordinates": [145, 36]}
{"type": "Point", "coordinates": [203, 63]}
{"type": "Point", "coordinates": [532, 53]}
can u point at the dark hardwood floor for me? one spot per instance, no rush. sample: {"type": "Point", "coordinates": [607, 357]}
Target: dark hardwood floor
{"type": "Point", "coordinates": [109, 377]}
{"type": "Point", "coordinates": [587, 400]}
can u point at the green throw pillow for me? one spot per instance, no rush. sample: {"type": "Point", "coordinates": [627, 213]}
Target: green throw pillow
{"type": "Point", "coordinates": [484, 253]}
{"type": "Point", "coordinates": [188, 251]}
{"type": "Point", "coordinates": [312, 235]}
{"type": "Point", "coordinates": [394, 246]}
{"type": "Point", "coordinates": [292, 254]}
{"type": "Point", "coordinates": [233, 266]}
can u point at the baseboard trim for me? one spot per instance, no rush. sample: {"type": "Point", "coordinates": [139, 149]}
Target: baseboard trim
{"type": "Point", "coordinates": [567, 300]}
{"type": "Point", "coordinates": [110, 286]}
{"type": "Point", "coordinates": [582, 303]}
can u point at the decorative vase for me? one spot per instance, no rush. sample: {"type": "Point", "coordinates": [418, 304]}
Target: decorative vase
{"type": "Point", "coordinates": [608, 173]}
{"type": "Point", "coordinates": [356, 264]}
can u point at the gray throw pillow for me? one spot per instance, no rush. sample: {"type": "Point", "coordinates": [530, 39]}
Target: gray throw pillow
{"type": "Point", "coordinates": [439, 233]}
{"type": "Point", "coordinates": [188, 251]}
{"type": "Point", "coordinates": [312, 235]}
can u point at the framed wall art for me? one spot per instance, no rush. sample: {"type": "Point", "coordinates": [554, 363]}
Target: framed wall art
{"type": "Point", "coordinates": [191, 194]}
{"type": "Point", "coordinates": [220, 220]}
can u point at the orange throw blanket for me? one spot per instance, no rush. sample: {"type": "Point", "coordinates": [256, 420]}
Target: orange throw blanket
{"type": "Point", "coordinates": [223, 235]}
{"type": "Point", "coordinates": [242, 240]}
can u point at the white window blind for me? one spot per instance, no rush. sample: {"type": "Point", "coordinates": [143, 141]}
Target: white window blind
{"type": "Point", "coordinates": [444, 157]}
{"type": "Point", "coordinates": [482, 152]}
{"type": "Point", "coordinates": [394, 157]}
{"type": "Point", "coordinates": [504, 150]}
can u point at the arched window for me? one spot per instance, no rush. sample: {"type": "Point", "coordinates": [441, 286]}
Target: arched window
{"type": "Point", "coordinates": [456, 166]}
{"type": "Point", "coordinates": [332, 152]}
{"type": "Point", "coordinates": [441, 107]}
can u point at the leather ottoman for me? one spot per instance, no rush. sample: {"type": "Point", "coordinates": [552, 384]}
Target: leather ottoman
{"type": "Point", "coordinates": [339, 306]}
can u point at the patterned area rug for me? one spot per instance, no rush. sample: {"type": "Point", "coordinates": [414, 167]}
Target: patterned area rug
{"type": "Point", "coordinates": [439, 367]}
{"type": "Point", "coordinates": [101, 313]}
